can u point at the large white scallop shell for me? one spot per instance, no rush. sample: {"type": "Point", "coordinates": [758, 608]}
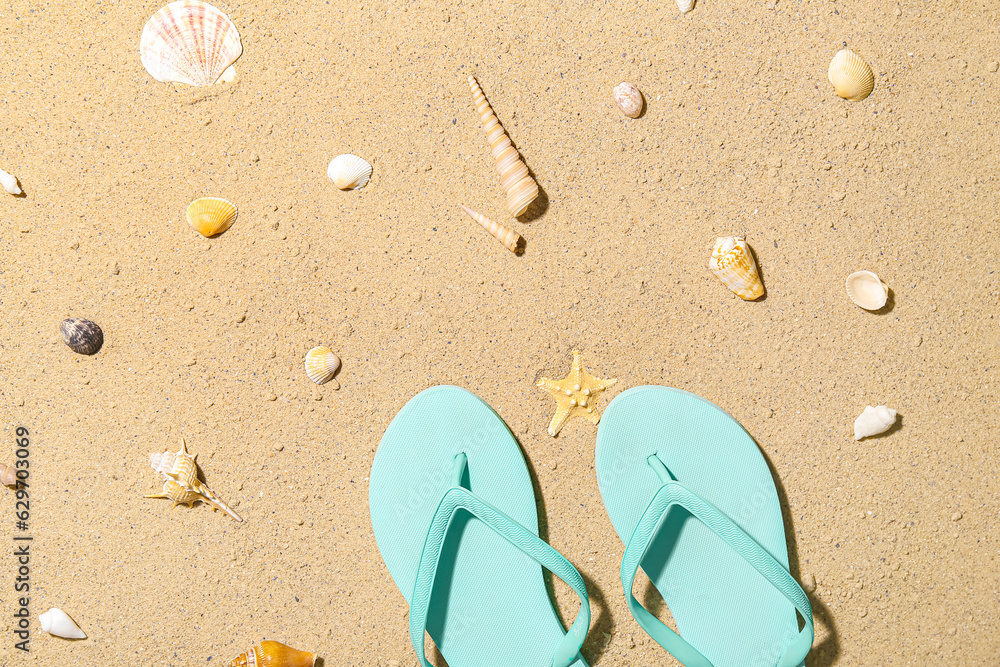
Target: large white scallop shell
{"type": "Point", "coordinates": [321, 364]}
{"type": "Point", "coordinates": [733, 264]}
{"type": "Point", "coordinates": [190, 42]}
{"type": "Point", "coordinates": [57, 622]}
{"type": "Point", "coordinates": [874, 421]}
{"type": "Point", "coordinates": [851, 76]}
{"type": "Point", "coordinates": [867, 290]}
{"type": "Point", "coordinates": [349, 172]}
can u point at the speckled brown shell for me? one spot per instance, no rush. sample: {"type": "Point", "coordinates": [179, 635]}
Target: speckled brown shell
{"type": "Point", "coordinates": [82, 336]}
{"type": "Point", "coordinates": [628, 98]}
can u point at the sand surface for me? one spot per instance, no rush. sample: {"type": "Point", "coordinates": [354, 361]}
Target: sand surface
{"type": "Point", "coordinates": [205, 338]}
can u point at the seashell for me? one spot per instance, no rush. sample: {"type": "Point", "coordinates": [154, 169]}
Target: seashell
{"type": "Point", "coordinates": [273, 654]}
{"type": "Point", "coordinates": [179, 472]}
{"type": "Point", "coordinates": [515, 179]}
{"type": "Point", "coordinates": [349, 172]}
{"type": "Point", "coordinates": [874, 421]}
{"type": "Point", "coordinates": [321, 364]}
{"type": "Point", "coordinates": [82, 336]}
{"type": "Point", "coordinates": [851, 76]}
{"type": "Point", "coordinates": [211, 215]}
{"type": "Point", "coordinates": [733, 264]}
{"type": "Point", "coordinates": [9, 182]}
{"type": "Point", "coordinates": [8, 475]}
{"type": "Point", "coordinates": [190, 42]}
{"type": "Point", "coordinates": [57, 622]}
{"type": "Point", "coordinates": [867, 290]}
{"type": "Point", "coordinates": [685, 5]}
{"type": "Point", "coordinates": [506, 236]}
{"type": "Point", "coordinates": [628, 98]}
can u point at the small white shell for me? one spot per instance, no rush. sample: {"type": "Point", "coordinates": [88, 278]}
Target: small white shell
{"type": "Point", "coordinates": [867, 290]}
{"type": "Point", "coordinates": [628, 98]}
{"type": "Point", "coordinates": [851, 76]}
{"type": "Point", "coordinates": [874, 421]}
{"type": "Point", "coordinates": [685, 5]}
{"type": "Point", "coordinates": [9, 182]}
{"type": "Point", "coordinates": [57, 622]}
{"type": "Point", "coordinates": [349, 172]}
{"type": "Point", "coordinates": [321, 364]}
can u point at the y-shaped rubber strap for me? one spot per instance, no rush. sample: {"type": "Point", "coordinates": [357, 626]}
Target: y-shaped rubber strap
{"type": "Point", "coordinates": [457, 498]}
{"type": "Point", "coordinates": [674, 493]}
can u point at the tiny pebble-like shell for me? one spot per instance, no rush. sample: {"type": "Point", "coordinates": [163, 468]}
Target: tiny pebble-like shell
{"type": "Point", "coordinates": [733, 264]}
{"type": "Point", "coordinates": [515, 179]}
{"type": "Point", "coordinates": [685, 5]}
{"type": "Point", "coordinates": [867, 290]}
{"type": "Point", "coordinates": [57, 622]}
{"type": "Point", "coordinates": [349, 172]}
{"type": "Point", "coordinates": [8, 475]}
{"type": "Point", "coordinates": [628, 98]}
{"type": "Point", "coordinates": [851, 76]}
{"type": "Point", "coordinates": [508, 237]}
{"type": "Point", "coordinates": [190, 42]}
{"type": "Point", "coordinates": [273, 654]}
{"type": "Point", "coordinates": [211, 215]}
{"type": "Point", "coordinates": [9, 182]}
{"type": "Point", "coordinates": [321, 364]}
{"type": "Point", "coordinates": [82, 336]}
{"type": "Point", "coordinates": [874, 420]}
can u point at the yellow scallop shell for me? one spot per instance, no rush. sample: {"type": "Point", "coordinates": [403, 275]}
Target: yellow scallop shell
{"type": "Point", "coordinates": [851, 76]}
{"type": "Point", "coordinates": [210, 215]}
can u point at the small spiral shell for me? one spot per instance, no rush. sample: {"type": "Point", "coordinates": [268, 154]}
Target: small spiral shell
{"type": "Point", "coordinates": [504, 235]}
{"type": "Point", "coordinates": [515, 179]}
{"type": "Point", "coordinates": [273, 654]}
{"type": "Point", "coordinates": [8, 476]}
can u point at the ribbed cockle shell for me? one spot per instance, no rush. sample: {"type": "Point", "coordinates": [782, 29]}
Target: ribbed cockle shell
{"type": "Point", "coordinates": [515, 179]}
{"type": "Point", "coordinates": [273, 654]}
{"type": "Point", "coordinates": [851, 76]}
{"type": "Point", "coordinates": [211, 215]}
{"type": "Point", "coordinates": [733, 264]}
{"type": "Point", "coordinates": [504, 235]}
{"type": "Point", "coordinates": [190, 42]}
{"type": "Point", "coordinates": [874, 421]}
{"type": "Point", "coordinates": [349, 172]}
{"type": "Point", "coordinates": [321, 364]}
{"type": "Point", "coordinates": [179, 472]}
{"type": "Point", "coordinates": [867, 290]}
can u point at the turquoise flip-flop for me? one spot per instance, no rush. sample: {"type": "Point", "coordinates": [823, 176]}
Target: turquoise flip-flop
{"type": "Point", "coordinates": [691, 496]}
{"type": "Point", "coordinates": [454, 516]}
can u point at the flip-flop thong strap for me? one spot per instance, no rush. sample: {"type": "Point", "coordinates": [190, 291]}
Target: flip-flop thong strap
{"type": "Point", "coordinates": [675, 493]}
{"type": "Point", "coordinates": [458, 498]}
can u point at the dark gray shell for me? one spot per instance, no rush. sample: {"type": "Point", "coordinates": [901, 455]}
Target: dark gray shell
{"type": "Point", "coordinates": [82, 336]}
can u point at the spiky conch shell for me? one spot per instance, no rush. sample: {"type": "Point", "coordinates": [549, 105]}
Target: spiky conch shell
{"type": "Point", "coordinates": [190, 42]}
{"type": "Point", "coordinates": [733, 264]}
{"type": "Point", "coordinates": [504, 235]}
{"type": "Point", "coordinates": [349, 172]}
{"type": "Point", "coordinates": [515, 179]}
{"type": "Point", "coordinates": [321, 364]}
{"type": "Point", "coordinates": [273, 654]}
{"type": "Point", "coordinates": [211, 215]}
{"type": "Point", "coordinates": [179, 472]}
{"type": "Point", "coordinates": [8, 475]}
{"type": "Point", "coordinates": [851, 76]}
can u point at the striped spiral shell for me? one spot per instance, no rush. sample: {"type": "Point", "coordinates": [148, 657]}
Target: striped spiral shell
{"type": "Point", "coordinates": [190, 42]}
{"type": "Point", "coordinates": [733, 264]}
{"type": "Point", "coordinates": [504, 235]}
{"type": "Point", "coordinates": [851, 76]}
{"type": "Point", "coordinates": [515, 179]}
{"type": "Point", "coordinates": [273, 654]}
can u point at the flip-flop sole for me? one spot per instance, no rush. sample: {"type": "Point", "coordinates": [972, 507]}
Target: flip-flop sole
{"type": "Point", "coordinates": [720, 603]}
{"type": "Point", "coordinates": [489, 604]}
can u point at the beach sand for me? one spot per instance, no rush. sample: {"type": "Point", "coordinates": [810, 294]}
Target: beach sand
{"type": "Point", "coordinates": [204, 338]}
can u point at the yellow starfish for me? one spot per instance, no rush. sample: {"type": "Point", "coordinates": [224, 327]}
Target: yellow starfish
{"type": "Point", "coordinates": [575, 394]}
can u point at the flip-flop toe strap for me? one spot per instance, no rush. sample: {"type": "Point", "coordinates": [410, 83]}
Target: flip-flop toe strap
{"type": "Point", "coordinates": [675, 493]}
{"type": "Point", "coordinates": [458, 498]}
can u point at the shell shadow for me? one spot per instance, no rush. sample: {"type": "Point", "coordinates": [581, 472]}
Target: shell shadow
{"type": "Point", "coordinates": [522, 245]}
{"type": "Point", "coordinates": [760, 272]}
{"type": "Point", "coordinates": [642, 111]}
{"type": "Point", "coordinates": [538, 207]}
{"type": "Point", "coordinates": [890, 303]}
